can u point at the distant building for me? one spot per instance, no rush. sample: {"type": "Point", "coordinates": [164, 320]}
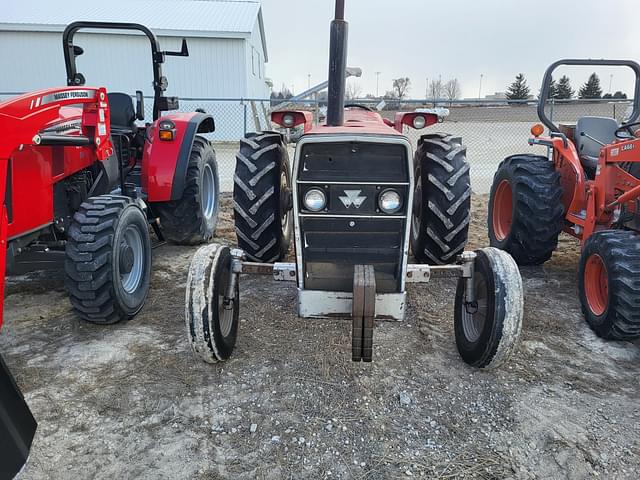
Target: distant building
{"type": "Point", "coordinates": [226, 39]}
{"type": "Point", "coordinates": [496, 96]}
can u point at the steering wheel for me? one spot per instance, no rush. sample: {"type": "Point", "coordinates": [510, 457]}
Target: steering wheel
{"type": "Point", "coordinates": [627, 128]}
{"type": "Point", "coordinates": [356, 105]}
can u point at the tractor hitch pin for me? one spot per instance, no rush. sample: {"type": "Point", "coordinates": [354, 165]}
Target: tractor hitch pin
{"type": "Point", "coordinates": [237, 256]}
{"type": "Point", "coordinates": [468, 261]}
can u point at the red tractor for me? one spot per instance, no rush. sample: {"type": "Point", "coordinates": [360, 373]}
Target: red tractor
{"type": "Point", "coordinates": [589, 187]}
{"type": "Point", "coordinates": [352, 204]}
{"type": "Point", "coordinates": [82, 182]}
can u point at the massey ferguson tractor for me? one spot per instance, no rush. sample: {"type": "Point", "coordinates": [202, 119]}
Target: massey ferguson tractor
{"type": "Point", "coordinates": [81, 184]}
{"type": "Point", "coordinates": [353, 202]}
{"type": "Point", "coordinates": [589, 187]}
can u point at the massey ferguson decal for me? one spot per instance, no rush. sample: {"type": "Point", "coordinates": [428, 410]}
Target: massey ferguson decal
{"type": "Point", "coordinates": [352, 197]}
{"type": "Point", "coordinates": [62, 95]}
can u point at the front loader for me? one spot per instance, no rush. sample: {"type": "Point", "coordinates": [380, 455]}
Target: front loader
{"type": "Point", "coordinates": [352, 204]}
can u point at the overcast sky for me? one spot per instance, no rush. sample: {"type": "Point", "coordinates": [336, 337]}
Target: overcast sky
{"type": "Point", "coordinates": [423, 39]}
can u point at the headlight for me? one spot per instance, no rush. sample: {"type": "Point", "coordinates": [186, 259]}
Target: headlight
{"type": "Point", "coordinates": [288, 120]}
{"type": "Point", "coordinates": [419, 122]}
{"type": "Point", "coordinates": [315, 200]}
{"type": "Point", "coordinates": [390, 201]}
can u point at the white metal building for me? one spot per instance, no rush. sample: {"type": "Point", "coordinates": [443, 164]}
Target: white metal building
{"type": "Point", "coordinates": [226, 42]}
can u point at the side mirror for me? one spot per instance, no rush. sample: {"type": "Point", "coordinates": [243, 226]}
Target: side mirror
{"type": "Point", "coordinates": [77, 51]}
{"type": "Point", "coordinates": [139, 105]}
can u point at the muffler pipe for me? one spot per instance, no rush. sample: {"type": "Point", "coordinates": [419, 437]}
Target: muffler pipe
{"type": "Point", "coordinates": [337, 67]}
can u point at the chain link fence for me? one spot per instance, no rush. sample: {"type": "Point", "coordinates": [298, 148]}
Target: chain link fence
{"type": "Point", "coordinates": [491, 130]}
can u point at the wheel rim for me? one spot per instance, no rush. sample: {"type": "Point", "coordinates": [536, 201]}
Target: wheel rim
{"type": "Point", "coordinates": [502, 210]}
{"type": "Point", "coordinates": [285, 213]}
{"type": "Point", "coordinates": [416, 213]}
{"type": "Point", "coordinates": [225, 315]}
{"type": "Point", "coordinates": [473, 323]}
{"type": "Point", "coordinates": [131, 267]}
{"type": "Point", "coordinates": [596, 284]}
{"type": "Point", "coordinates": [208, 192]}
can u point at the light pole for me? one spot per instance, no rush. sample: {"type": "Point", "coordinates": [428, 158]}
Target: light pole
{"type": "Point", "coordinates": [610, 81]}
{"type": "Point", "coordinates": [480, 89]}
{"type": "Point", "coordinates": [378, 84]}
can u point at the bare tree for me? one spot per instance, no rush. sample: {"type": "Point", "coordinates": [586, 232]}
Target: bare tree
{"type": "Point", "coordinates": [354, 90]}
{"type": "Point", "coordinates": [401, 87]}
{"type": "Point", "coordinates": [436, 90]}
{"type": "Point", "coordinates": [452, 90]}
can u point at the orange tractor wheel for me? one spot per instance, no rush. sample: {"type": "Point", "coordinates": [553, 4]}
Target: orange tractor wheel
{"type": "Point", "coordinates": [525, 209]}
{"type": "Point", "coordinates": [609, 284]}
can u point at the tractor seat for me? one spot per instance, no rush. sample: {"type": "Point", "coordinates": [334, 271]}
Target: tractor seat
{"type": "Point", "coordinates": [601, 128]}
{"type": "Point", "coordinates": [123, 115]}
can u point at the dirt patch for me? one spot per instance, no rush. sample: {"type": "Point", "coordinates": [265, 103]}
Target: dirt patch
{"type": "Point", "coordinates": [131, 401]}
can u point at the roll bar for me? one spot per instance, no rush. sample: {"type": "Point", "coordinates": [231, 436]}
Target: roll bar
{"type": "Point", "coordinates": [546, 85]}
{"type": "Point", "coordinates": [160, 83]}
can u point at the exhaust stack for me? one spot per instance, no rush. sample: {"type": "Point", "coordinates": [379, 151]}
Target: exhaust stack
{"type": "Point", "coordinates": [337, 67]}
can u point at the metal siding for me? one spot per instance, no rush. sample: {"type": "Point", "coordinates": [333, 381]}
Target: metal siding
{"type": "Point", "coordinates": [215, 67]}
{"type": "Point", "coordinates": [169, 15]}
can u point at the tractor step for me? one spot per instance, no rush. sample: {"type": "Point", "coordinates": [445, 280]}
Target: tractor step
{"type": "Point", "coordinates": [17, 425]}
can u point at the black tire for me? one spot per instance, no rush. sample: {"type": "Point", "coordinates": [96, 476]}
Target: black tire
{"type": "Point", "coordinates": [613, 312]}
{"type": "Point", "coordinates": [442, 199]}
{"type": "Point", "coordinates": [212, 329]}
{"type": "Point", "coordinates": [108, 236]}
{"type": "Point", "coordinates": [262, 197]}
{"type": "Point", "coordinates": [525, 208]}
{"type": "Point", "coordinates": [192, 219]}
{"type": "Point", "coordinates": [487, 335]}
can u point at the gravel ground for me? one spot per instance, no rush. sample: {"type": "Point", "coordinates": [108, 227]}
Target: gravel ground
{"type": "Point", "coordinates": [131, 401]}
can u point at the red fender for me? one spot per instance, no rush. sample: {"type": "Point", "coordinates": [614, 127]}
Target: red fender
{"type": "Point", "coordinates": [164, 163]}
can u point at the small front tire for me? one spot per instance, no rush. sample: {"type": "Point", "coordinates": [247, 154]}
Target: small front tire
{"type": "Point", "coordinates": [211, 317]}
{"type": "Point", "coordinates": [108, 259]}
{"type": "Point", "coordinates": [487, 331]}
{"type": "Point", "coordinates": [609, 284]}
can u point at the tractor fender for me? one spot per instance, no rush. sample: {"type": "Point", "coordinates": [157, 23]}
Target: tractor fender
{"type": "Point", "coordinates": [164, 163]}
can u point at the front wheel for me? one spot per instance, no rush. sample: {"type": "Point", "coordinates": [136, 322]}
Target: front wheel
{"type": "Point", "coordinates": [487, 331]}
{"type": "Point", "coordinates": [609, 284]}
{"type": "Point", "coordinates": [192, 219]}
{"type": "Point", "coordinates": [108, 259]}
{"type": "Point", "coordinates": [211, 314]}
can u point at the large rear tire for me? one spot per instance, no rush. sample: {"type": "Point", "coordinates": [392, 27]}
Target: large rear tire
{"type": "Point", "coordinates": [262, 197]}
{"type": "Point", "coordinates": [108, 259]}
{"type": "Point", "coordinates": [525, 209]}
{"type": "Point", "coordinates": [488, 331]}
{"type": "Point", "coordinates": [442, 199]}
{"type": "Point", "coordinates": [192, 219]}
{"type": "Point", "coordinates": [609, 284]}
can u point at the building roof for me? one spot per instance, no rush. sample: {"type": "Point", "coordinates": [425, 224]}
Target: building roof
{"type": "Point", "coordinates": [179, 18]}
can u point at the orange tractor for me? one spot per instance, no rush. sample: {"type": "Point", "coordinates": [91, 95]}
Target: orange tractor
{"type": "Point", "coordinates": [589, 187]}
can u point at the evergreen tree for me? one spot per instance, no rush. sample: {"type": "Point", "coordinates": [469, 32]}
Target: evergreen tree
{"type": "Point", "coordinates": [518, 90]}
{"type": "Point", "coordinates": [553, 89]}
{"type": "Point", "coordinates": [563, 89]}
{"type": "Point", "coordinates": [591, 89]}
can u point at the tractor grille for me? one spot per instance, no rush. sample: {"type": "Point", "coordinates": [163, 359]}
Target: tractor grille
{"type": "Point", "coordinates": [352, 229]}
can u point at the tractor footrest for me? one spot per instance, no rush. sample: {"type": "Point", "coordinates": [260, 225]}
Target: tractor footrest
{"type": "Point", "coordinates": [363, 313]}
